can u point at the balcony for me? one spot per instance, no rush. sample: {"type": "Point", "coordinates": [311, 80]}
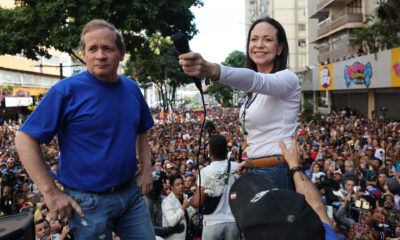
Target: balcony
{"type": "Point", "coordinates": [323, 4]}
{"type": "Point", "coordinates": [346, 18]}
{"type": "Point", "coordinates": [333, 54]}
{"type": "Point", "coordinates": [323, 7]}
{"type": "Point", "coordinates": [326, 29]}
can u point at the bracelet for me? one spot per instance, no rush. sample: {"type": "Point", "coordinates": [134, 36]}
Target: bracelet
{"type": "Point", "coordinates": [294, 170]}
{"type": "Point", "coordinates": [216, 77]}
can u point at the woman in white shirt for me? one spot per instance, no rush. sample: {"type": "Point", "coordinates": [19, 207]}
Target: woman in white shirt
{"type": "Point", "coordinates": [270, 111]}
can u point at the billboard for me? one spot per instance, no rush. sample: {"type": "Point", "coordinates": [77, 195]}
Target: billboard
{"type": "Point", "coordinates": [395, 67]}
{"type": "Point", "coordinates": [325, 77]}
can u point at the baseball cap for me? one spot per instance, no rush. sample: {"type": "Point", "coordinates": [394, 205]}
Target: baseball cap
{"type": "Point", "coordinates": [189, 161]}
{"type": "Point", "coordinates": [262, 211]}
{"type": "Point", "coordinates": [308, 174]}
{"type": "Point", "coordinates": [336, 204]}
{"type": "Point", "coordinates": [393, 185]}
{"type": "Point", "coordinates": [315, 144]}
{"type": "Point", "coordinates": [157, 163]}
{"type": "Point", "coordinates": [169, 165]}
{"type": "Point", "coordinates": [337, 172]}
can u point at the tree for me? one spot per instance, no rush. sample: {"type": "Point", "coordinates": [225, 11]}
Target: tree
{"type": "Point", "coordinates": [6, 91]}
{"type": "Point", "coordinates": [33, 26]}
{"type": "Point", "coordinates": [222, 91]}
{"type": "Point", "coordinates": [159, 66]}
{"type": "Point", "coordinates": [383, 28]}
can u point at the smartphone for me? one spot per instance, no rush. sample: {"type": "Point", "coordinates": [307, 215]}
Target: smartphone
{"type": "Point", "coordinates": [55, 236]}
{"type": "Point", "coordinates": [362, 204]}
{"type": "Point", "coordinates": [329, 211]}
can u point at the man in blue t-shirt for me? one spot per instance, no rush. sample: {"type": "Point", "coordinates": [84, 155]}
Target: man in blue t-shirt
{"type": "Point", "coordinates": [101, 121]}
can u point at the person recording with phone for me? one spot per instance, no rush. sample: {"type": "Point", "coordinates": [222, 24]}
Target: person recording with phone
{"type": "Point", "coordinates": [270, 110]}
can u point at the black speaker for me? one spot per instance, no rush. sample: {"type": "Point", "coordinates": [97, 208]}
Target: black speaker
{"type": "Point", "coordinates": [17, 227]}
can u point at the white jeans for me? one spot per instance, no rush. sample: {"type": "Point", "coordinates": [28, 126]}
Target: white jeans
{"type": "Point", "coordinates": [221, 231]}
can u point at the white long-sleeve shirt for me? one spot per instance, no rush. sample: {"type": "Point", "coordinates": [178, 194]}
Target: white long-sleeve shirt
{"type": "Point", "coordinates": [272, 115]}
{"type": "Point", "coordinates": [172, 214]}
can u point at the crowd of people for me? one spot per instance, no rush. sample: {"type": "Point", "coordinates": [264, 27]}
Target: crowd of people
{"type": "Point", "coordinates": [353, 161]}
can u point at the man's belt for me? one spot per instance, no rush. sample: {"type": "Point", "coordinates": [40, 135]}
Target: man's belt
{"type": "Point", "coordinates": [114, 189]}
{"type": "Point", "coordinates": [264, 162]}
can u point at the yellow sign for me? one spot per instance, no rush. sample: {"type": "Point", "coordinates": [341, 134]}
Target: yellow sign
{"type": "Point", "coordinates": [31, 91]}
{"type": "Point", "coordinates": [325, 77]}
{"type": "Point", "coordinates": [395, 67]}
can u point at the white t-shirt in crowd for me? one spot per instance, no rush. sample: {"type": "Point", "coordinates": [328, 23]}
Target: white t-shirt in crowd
{"type": "Point", "coordinates": [209, 179]}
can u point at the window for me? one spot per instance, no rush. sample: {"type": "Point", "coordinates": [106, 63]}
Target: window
{"type": "Point", "coordinates": [301, 43]}
{"type": "Point", "coordinates": [301, 12]}
{"type": "Point", "coordinates": [322, 99]}
{"type": "Point", "coordinates": [302, 27]}
{"type": "Point", "coordinates": [355, 7]}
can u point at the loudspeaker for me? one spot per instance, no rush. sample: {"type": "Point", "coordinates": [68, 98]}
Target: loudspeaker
{"type": "Point", "coordinates": [17, 227]}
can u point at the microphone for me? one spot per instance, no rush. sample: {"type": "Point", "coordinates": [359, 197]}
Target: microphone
{"type": "Point", "coordinates": [182, 46]}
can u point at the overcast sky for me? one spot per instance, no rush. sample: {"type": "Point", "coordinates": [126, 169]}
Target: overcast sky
{"type": "Point", "coordinates": [221, 26]}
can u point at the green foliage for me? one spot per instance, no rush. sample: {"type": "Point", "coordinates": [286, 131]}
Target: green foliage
{"type": "Point", "coordinates": [159, 66]}
{"type": "Point", "coordinates": [5, 91]}
{"type": "Point", "coordinates": [308, 110]}
{"type": "Point", "coordinates": [35, 25]}
{"type": "Point", "coordinates": [222, 91]}
{"type": "Point", "coordinates": [382, 30]}
{"type": "Point", "coordinates": [235, 59]}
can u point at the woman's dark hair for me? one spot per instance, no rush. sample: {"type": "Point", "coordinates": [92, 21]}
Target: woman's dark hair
{"type": "Point", "coordinates": [172, 178]}
{"type": "Point", "coordinates": [280, 61]}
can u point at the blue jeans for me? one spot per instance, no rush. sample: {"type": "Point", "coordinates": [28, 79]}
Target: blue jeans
{"type": "Point", "coordinates": [276, 174]}
{"type": "Point", "coordinates": [124, 213]}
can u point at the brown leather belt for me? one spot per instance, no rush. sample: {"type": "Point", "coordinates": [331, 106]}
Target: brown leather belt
{"type": "Point", "coordinates": [264, 162]}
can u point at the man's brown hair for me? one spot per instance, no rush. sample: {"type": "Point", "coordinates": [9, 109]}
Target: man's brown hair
{"type": "Point", "coordinates": [100, 23]}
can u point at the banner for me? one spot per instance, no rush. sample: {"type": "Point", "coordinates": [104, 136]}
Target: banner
{"type": "Point", "coordinates": [358, 73]}
{"type": "Point", "coordinates": [395, 67]}
{"type": "Point", "coordinates": [325, 77]}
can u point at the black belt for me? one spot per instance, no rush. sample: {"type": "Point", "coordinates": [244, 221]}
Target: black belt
{"type": "Point", "coordinates": [114, 189]}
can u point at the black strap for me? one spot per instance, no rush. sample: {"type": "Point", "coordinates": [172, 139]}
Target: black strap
{"type": "Point", "coordinates": [228, 169]}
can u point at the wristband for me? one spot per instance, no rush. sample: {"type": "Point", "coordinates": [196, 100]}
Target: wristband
{"type": "Point", "coordinates": [294, 170]}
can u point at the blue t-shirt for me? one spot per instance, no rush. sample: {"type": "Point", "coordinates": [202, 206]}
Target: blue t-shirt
{"type": "Point", "coordinates": [330, 234]}
{"type": "Point", "coordinates": [97, 123]}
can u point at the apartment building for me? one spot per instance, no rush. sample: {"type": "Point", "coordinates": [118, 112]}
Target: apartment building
{"type": "Point", "coordinates": [293, 15]}
{"type": "Point", "coordinates": [337, 20]}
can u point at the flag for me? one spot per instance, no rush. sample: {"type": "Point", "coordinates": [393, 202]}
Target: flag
{"type": "Point", "coordinates": [162, 114]}
{"type": "Point", "coordinates": [198, 111]}
{"type": "Point", "coordinates": [169, 113]}
{"type": "Point", "coordinates": [202, 118]}
{"type": "Point", "coordinates": [244, 154]}
{"type": "Point", "coordinates": [180, 117]}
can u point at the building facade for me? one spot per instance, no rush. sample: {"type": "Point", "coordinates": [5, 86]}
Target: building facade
{"type": "Point", "coordinates": [337, 20]}
{"type": "Point", "coordinates": [293, 15]}
{"type": "Point", "coordinates": [369, 84]}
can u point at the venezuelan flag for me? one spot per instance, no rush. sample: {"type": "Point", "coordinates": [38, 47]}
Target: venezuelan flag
{"type": "Point", "coordinates": [244, 154]}
{"type": "Point", "coordinates": [169, 113]}
{"type": "Point", "coordinates": [162, 114]}
{"type": "Point", "coordinates": [198, 111]}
